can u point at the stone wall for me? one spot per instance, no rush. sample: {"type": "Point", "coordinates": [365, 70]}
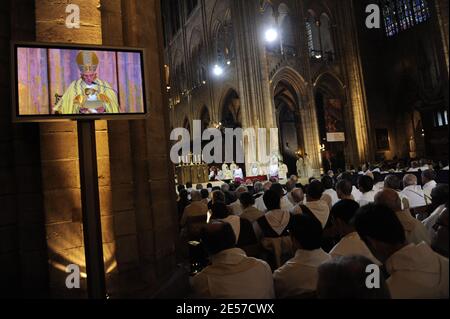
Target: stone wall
{"type": "Point", "coordinates": [23, 252]}
{"type": "Point", "coordinates": [40, 222]}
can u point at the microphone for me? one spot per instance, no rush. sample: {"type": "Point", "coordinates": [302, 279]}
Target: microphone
{"type": "Point", "coordinates": [110, 88]}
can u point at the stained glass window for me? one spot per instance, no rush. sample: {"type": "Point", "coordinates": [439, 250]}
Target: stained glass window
{"type": "Point", "coordinates": [405, 16]}
{"type": "Point", "coordinates": [400, 15]}
{"type": "Point", "coordinates": [421, 11]}
{"type": "Point", "coordinates": [390, 20]}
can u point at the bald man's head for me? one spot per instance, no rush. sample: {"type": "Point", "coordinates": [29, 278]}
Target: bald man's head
{"type": "Point", "coordinates": [298, 195]}
{"type": "Point", "coordinates": [409, 180]}
{"type": "Point", "coordinates": [389, 198]}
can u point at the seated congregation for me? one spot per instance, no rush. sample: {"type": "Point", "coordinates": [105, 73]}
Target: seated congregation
{"type": "Point", "coordinates": [293, 241]}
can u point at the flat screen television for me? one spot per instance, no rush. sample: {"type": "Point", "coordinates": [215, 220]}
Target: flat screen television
{"type": "Point", "coordinates": [53, 82]}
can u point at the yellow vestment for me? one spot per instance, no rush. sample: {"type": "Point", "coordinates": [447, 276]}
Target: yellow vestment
{"type": "Point", "coordinates": [76, 98]}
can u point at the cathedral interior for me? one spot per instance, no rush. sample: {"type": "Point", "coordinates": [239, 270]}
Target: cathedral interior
{"type": "Point", "coordinates": [325, 72]}
{"type": "Point", "coordinates": [342, 95]}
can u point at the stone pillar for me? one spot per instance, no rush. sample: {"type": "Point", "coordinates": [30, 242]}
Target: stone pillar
{"type": "Point", "coordinates": [308, 110]}
{"type": "Point", "coordinates": [156, 218]}
{"type": "Point", "coordinates": [256, 96]}
{"type": "Point", "coordinates": [442, 15]}
{"type": "Point", "coordinates": [359, 142]}
{"type": "Point", "coordinates": [23, 253]}
{"type": "Point", "coordinates": [441, 10]}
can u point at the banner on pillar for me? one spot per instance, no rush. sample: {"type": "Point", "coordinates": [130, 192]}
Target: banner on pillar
{"type": "Point", "coordinates": [334, 121]}
{"type": "Point", "coordinates": [335, 137]}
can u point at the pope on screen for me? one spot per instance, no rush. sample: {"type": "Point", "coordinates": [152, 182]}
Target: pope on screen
{"type": "Point", "coordinates": [88, 95]}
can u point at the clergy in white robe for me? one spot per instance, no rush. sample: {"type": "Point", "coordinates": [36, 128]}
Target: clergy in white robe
{"type": "Point", "coordinates": [356, 193]}
{"type": "Point", "coordinates": [365, 184]}
{"type": "Point", "coordinates": [231, 275]}
{"type": "Point", "coordinates": [350, 243]}
{"type": "Point", "coordinates": [429, 183]}
{"type": "Point", "coordinates": [299, 275]}
{"type": "Point", "coordinates": [413, 192]}
{"type": "Point", "coordinates": [315, 204]}
{"type": "Point", "coordinates": [415, 231]}
{"type": "Point", "coordinates": [259, 204]}
{"type": "Point", "coordinates": [416, 271]}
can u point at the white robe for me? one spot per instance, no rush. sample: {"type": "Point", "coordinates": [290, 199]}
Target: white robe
{"type": "Point", "coordinates": [321, 210]}
{"type": "Point", "coordinates": [352, 244]}
{"type": "Point", "coordinates": [415, 196]}
{"type": "Point", "coordinates": [236, 208]}
{"type": "Point", "coordinates": [299, 275]}
{"type": "Point", "coordinates": [367, 198]}
{"type": "Point", "coordinates": [427, 188]}
{"type": "Point", "coordinates": [415, 231]}
{"type": "Point", "coordinates": [285, 203]}
{"type": "Point", "coordinates": [356, 193]}
{"type": "Point", "coordinates": [334, 197]}
{"type": "Point", "coordinates": [233, 275]}
{"type": "Point", "coordinates": [417, 272]}
{"type": "Point", "coordinates": [260, 205]}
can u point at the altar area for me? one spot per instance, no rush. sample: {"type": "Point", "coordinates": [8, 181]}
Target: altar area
{"type": "Point", "coordinates": [194, 173]}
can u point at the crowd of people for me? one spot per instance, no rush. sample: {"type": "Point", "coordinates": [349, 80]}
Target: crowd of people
{"type": "Point", "coordinates": [266, 240]}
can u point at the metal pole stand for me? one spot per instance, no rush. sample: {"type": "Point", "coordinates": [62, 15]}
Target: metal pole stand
{"type": "Point", "coordinates": [92, 229]}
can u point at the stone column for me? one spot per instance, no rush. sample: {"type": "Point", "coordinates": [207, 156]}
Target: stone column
{"type": "Point", "coordinates": [23, 252]}
{"type": "Point", "coordinates": [156, 218]}
{"type": "Point", "coordinates": [441, 7]}
{"type": "Point", "coordinates": [359, 140]}
{"type": "Point", "coordinates": [256, 96]}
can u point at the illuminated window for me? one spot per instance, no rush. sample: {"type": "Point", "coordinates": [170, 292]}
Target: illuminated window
{"type": "Point", "coordinates": [440, 118]}
{"type": "Point", "coordinates": [400, 15]}
{"type": "Point", "coordinates": [421, 11]}
{"type": "Point", "coordinates": [309, 36]}
{"type": "Point", "coordinates": [390, 20]}
{"type": "Point", "coordinates": [405, 16]}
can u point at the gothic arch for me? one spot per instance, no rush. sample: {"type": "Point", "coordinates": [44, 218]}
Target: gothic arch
{"type": "Point", "coordinates": [298, 83]}
{"type": "Point", "coordinates": [331, 104]}
{"type": "Point", "coordinates": [230, 109]}
{"type": "Point", "coordinates": [318, 8]}
{"type": "Point", "coordinates": [330, 83]}
{"type": "Point", "coordinates": [195, 40]}
{"type": "Point", "coordinates": [221, 13]}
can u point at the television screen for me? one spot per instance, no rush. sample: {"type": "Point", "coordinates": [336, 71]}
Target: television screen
{"type": "Point", "coordinates": [60, 82]}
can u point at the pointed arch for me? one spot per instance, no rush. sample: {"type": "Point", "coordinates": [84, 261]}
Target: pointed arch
{"type": "Point", "coordinates": [298, 83]}
{"type": "Point", "coordinates": [330, 83]}
{"type": "Point", "coordinates": [330, 102]}
{"type": "Point", "coordinates": [230, 111]}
